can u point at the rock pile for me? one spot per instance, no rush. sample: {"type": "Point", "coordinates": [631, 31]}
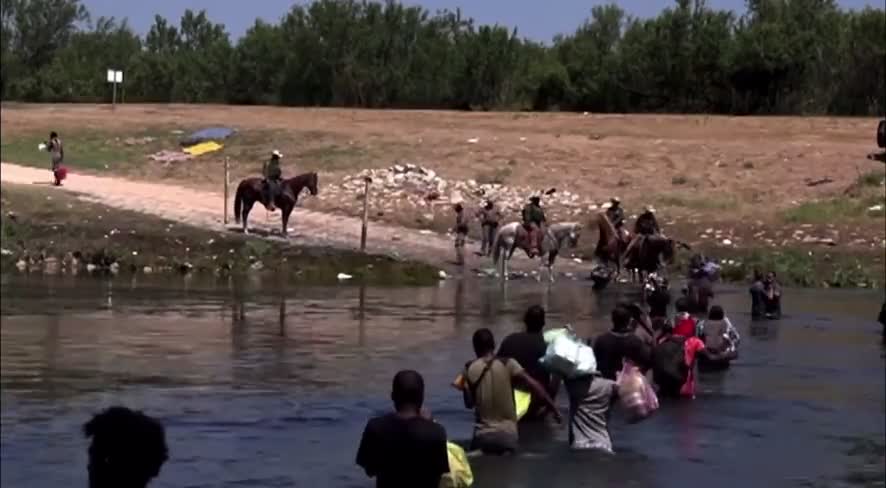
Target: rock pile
{"type": "Point", "coordinates": [421, 187]}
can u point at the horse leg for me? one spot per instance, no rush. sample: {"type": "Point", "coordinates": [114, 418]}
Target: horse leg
{"type": "Point", "coordinates": [551, 257]}
{"type": "Point", "coordinates": [246, 209]}
{"type": "Point", "coordinates": [286, 210]}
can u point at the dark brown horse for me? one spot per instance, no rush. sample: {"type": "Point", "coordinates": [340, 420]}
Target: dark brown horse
{"type": "Point", "coordinates": [250, 191]}
{"type": "Point", "coordinates": [652, 253]}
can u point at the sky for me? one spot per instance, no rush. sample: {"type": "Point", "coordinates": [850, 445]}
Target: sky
{"type": "Point", "coordinates": [535, 19]}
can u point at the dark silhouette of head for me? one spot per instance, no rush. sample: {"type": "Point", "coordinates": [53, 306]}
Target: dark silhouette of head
{"type": "Point", "coordinates": [716, 313]}
{"type": "Point", "coordinates": [484, 342]}
{"type": "Point", "coordinates": [621, 318]}
{"type": "Point", "coordinates": [534, 319]}
{"type": "Point", "coordinates": [459, 207]}
{"type": "Point", "coordinates": [53, 135]}
{"type": "Point", "coordinates": [770, 277]}
{"type": "Point", "coordinates": [535, 200]}
{"type": "Point", "coordinates": [408, 390]}
{"type": "Point", "coordinates": [682, 305]}
{"type": "Point", "coordinates": [489, 204]}
{"type": "Point", "coordinates": [127, 451]}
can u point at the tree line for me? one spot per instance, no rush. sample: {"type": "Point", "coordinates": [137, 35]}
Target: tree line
{"type": "Point", "coordinates": [779, 57]}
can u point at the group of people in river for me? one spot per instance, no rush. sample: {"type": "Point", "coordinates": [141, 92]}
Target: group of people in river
{"type": "Point", "coordinates": [407, 448]}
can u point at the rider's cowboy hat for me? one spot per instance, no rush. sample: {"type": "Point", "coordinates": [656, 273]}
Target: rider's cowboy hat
{"type": "Point", "coordinates": [277, 153]}
{"type": "Point", "coordinates": [615, 200]}
{"type": "Point", "coordinates": [649, 208]}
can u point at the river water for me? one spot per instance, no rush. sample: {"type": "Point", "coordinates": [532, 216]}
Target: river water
{"type": "Point", "coordinates": [265, 388]}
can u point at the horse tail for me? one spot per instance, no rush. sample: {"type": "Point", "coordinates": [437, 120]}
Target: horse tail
{"type": "Point", "coordinates": [238, 202]}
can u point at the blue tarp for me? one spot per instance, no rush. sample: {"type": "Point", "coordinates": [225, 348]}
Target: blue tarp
{"type": "Point", "coordinates": [208, 134]}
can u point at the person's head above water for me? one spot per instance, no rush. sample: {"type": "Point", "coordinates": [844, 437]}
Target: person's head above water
{"type": "Point", "coordinates": [489, 204]}
{"type": "Point", "coordinates": [127, 451]}
{"type": "Point", "coordinates": [682, 305]}
{"type": "Point", "coordinates": [770, 277]}
{"type": "Point", "coordinates": [621, 318]}
{"type": "Point", "coordinates": [535, 199]}
{"type": "Point", "coordinates": [484, 342]}
{"type": "Point", "coordinates": [458, 207]}
{"type": "Point", "coordinates": [534, 319]}
{"type": "Point", "coordinates": [716, 313]}
{"type": "Point", "coordinates": [408, 390]}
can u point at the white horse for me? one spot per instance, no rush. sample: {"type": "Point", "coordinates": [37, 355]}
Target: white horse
{"type": "Point", "coordinates": [555, 236]}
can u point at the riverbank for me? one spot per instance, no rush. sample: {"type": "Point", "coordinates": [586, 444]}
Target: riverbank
{"type": "Point", "coordinates": [50, 231]}
{"type": "Point", "coordinates": [793, 194]}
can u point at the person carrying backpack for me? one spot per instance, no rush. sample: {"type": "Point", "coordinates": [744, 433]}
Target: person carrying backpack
{"type": "Point", "coordinates": [673, 362]}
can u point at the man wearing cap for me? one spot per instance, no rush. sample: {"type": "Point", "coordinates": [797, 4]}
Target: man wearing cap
{"type": "Point", "coordinates": [272, 173]}
{"type": "Point", "coordinates": [533, 221]}
{"type": "Point", "coordinates": [645, 226]}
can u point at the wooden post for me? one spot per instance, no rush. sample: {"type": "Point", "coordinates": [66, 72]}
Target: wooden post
{"type": "Point", "coordinates": [366, 180]}
{"type": "Point", "coordinates": [227, 183]}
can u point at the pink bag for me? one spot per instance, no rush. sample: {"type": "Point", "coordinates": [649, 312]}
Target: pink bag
{"type": "Point", "coordinates": [635, 393]}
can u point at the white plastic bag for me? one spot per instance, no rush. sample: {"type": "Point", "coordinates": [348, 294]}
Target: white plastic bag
{"type": "Point", "coordinates": [568, 356]}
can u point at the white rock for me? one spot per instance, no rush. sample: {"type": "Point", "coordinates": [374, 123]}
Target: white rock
{"type": "Point", "coordinates": [343, 276]}
{"type": "Point", "coordinates": [442, 274]}
{"type": "Point", "coordinates": [727, 242]}
{"type": "Point", "coordinates": [148, 270]}
{"type": "Point", "coordinates": [90, 267]}
{"type": "Point", "coordinates": [5, 252]}
{"type": "Point", "coordinates": [473, 140]}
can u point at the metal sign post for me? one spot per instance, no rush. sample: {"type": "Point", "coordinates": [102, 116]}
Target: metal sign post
{"type": "Point", "coordinates": [114, 77]}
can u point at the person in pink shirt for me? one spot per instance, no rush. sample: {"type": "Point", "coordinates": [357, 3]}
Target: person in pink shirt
{"type": "Point", "coordinates": [674, 360]}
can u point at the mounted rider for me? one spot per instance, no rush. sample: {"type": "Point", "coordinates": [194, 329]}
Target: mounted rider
{"type": "Point", "coordinates": [272, 174]}
{"type": "Point", "coordinates": [645, 226]}
{"type": "Point", "coordinates": [534, 221]}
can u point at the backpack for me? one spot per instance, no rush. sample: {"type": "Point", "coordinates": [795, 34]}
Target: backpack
{"type": "Point", "coordinates": [669, 368]}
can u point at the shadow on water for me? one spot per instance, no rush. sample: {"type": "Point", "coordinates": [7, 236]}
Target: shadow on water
{"type": "Point", "coordinates": [267, 385]}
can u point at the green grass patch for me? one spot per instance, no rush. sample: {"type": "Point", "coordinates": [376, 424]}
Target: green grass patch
{"type": "Point", "coordinates": [800, 267]}
{"type": "Point", "coordinates": [96, 150]}
{"type": "Point", "coordinates": [872, 179]}
{"type": "Point", "coordinates": [836, 209]}
{"type": "Point", "coordinates": [696, 203]}
{"type": "Point", "coordinates": [39, 225]}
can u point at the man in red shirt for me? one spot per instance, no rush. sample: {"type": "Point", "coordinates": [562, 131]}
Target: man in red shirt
{"type": "Point", "coordinates": [684, 323]}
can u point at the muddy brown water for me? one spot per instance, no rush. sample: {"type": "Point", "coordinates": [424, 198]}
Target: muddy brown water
{"type": "Point", "coordinates": [267, 389]}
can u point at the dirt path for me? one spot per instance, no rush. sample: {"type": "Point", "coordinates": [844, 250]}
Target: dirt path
{"type": "Point", "coordinates": [203, 209]}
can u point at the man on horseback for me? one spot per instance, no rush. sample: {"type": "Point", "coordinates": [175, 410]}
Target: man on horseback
{"type": "Point", "coordinates": [272, 174]}
{"type": "Point", "coordinates": [534, 221]}
{"type": "Point", "coordinates": [646, 226]}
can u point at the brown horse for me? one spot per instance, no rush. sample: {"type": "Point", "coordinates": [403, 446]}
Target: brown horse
{"type": "Point", "coordinates": [610, 245]}
{"type": "Point", "coordinates": [250, 191]}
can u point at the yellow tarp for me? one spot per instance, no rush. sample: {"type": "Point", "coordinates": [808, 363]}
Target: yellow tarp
{"type": "Point", "coordinates": [203, 148]}
{"type": "Point", "coordinates": [460, 474]}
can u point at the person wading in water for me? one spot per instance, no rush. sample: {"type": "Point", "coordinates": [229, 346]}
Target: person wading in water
{"type": "Point", "coordinates": [533, 221]}
{"type": "Point", "coordinates": [272, 174]}
{"type": "Point", "coordinates": [461, 233]}
{"type": "Point", "coordinates": [489, 217]}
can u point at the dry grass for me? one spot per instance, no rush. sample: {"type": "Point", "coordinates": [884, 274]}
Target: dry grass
{"type": "Point", "coordinates": [698, 169]}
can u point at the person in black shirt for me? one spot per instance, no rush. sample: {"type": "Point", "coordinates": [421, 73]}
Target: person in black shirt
{"type": "Point", "coordinates": [527, 348]}
{"type": "Point", "coordinates": [658, 298]}
{"type": "Point", "coordinates": [128, 448]}
{"type": "Point", "coordinates": [405, 449]}
{"type": "Point", "coordinates": [613, 347]}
